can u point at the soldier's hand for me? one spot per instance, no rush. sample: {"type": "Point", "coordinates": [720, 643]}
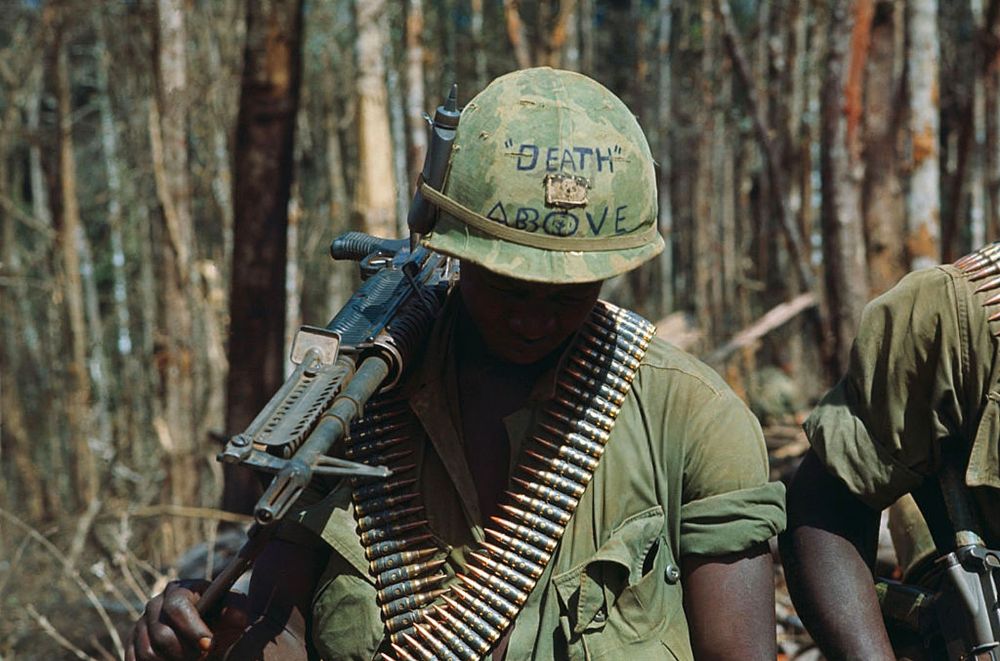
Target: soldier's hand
{"type": "Point", "coordinates": [171, 627]}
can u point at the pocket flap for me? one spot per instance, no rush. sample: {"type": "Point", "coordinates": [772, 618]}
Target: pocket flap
{"type": "Point", "coordinates": [333, 518]}
{"type": "Point", "coordinates": [590, 588]}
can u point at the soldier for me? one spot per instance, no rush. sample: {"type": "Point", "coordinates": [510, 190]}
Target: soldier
{"type": "Point", "coordinates": [566, 485]}
{"type": "Point", "coordinates": [916, 414]}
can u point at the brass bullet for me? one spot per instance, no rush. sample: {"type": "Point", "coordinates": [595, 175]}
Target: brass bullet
{"type": "Point", "coordinates": [382, 504]}
{"type": "Point", "coordinates": [482, 609]}
{"type": "Point", "coordinates": [402, 622]}
{"type": "Point", "coordinates": [609, 339]}
{"type": "Point", "coordinates": [588, 413]}
{"type": "Point", "coordinates": [536, 522]}
{"type": "Point", "coordinates": [597, 402]}
{"type": "Point", "coordinates": [561, 467]}
{"type": "Point", "coordinates": [405, 588]}
{"type": "Point", "coordinates": [600, 350]}
{"type": "Point", "coordinates": [993, 300]}
{"type": "Point", "coordinates": [604, 366]}
{"type": "Point", "coordinates": [407, 572]}
{"type": "Point", "coordinates": [570, 454]}
{"type": "Point", "coordinates": [365, 430]}
{"type": "Point", "coordinates": [578, 441]}
{"type": "Point", "coordinates": [515, 561]}
{"type": "Point", "coordinates": [399, 560]}
{"type": "Point", "coordinates": [542, 508]}
{"type": "Point", "coordinates": [381, 488]}
{"type": "Point", "coordinates": [386, 458]}
{"type": "Point", "coordinates": [490, 597]}
{"type": "Point", "coordinates": [422, 652]}
{"type": "Point", "coordinates": [995, 316]}
{"type": "Point", "coordinates": [402, 653]}
{"type": "Point", "coordinates": [502, 587]}
{"type": "Point", "coordinates": [590, 376]}
{"type": "Point", "coordinates": [582, 427]}
{"type": "Point", "coordinates": [376, 445]}
{"type": "Point", "coordinates": [466, 632]}
{"type": "Point", "coordinates": [567, 485]}
{"type": "Point", "coordinates": [992, 268]}
{"type": "Point", "coordinates": [527, 534]}
{"type": "Point", "coordinates": [589, 383]}
{"type": "Point", "coordinates": [553, 496]}
{"type": "Point", "coordinates": [519, 547]}
{"type": "Point", "coordinates": [483, 629]}
{"type": "Point", "coordinates": [385, 517]}
{"type": "Point", "coordinates": [454, 642]}
{"type": "Point", "coordinates": [374, 535]}
{"type": "Point", "coordinates": [438, 649]}
{"type": "Point", "coordinates": [385, 657]}
{"type": "Point", "coordinates": [512, 576]}
{"type": "Point", "coordinates": [989, 285]}
{"type": "Point", "coordinates": [409, 602]}
{"type": "Point", "coordinates": [621, 334]}
{"type": "Point", "coordinates": [378, 549]}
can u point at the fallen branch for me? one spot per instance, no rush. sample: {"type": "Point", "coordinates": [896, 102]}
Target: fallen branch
{"type": "Point", "coordinates": [53, 633]}
{"type": "Point", "coordinates": [73, 575]}
{"type": "Point", "coordinates": [774, 318]}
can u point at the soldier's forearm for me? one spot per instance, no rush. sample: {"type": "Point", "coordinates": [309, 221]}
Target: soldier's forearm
{"type": "Point", "coordinates": [827, 553]}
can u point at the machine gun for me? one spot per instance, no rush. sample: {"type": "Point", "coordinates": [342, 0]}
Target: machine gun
{"type": "Point", "coordinates": [365, 347]}
{"type": "Point", "coordinates": [960, 618]}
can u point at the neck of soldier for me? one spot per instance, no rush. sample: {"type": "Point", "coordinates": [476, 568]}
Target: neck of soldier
{"type": "Point", "coordinates": [490, 389]}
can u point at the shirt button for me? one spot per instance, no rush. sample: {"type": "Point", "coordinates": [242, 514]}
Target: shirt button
{"type": "Point", "coordinates": [601, 615]}
{"type": "Point", "coordinates": [672, 574]}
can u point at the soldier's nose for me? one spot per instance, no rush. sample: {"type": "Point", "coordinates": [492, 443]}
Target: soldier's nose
{"type": "Point", "coordinates": [532, 327]}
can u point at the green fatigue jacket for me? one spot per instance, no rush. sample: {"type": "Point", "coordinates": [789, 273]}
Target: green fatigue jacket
{"type": "Point", "coordinates": [924, 375]}
{"type": "Point", "coordinates": [685, 472]}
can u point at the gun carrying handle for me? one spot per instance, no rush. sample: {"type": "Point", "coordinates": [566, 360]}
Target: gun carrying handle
{"type": "Point", "coordinates": [257, 538]}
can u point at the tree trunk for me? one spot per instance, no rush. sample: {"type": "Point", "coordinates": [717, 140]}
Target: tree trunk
{"type": "Point", "coordinates": [265, 129]}
{"type": "Point", "coordinates": [841, 173]}
{"type": "Point", "coordinates": [664, 98]}
{"type": "Point", "coordinates": [923, 241]}
{"type": "Point", "coordinates": [168, 138]}
{"type": "Point", "coordinates": [883, 203]}
{"type": "Point", "coordinates": [375, 191]}
{"type": "Point", "coordinates": [516, 33]}
{"type": "Point", "coordinates": [705, 232]}
{"type": "Point", "coordinates": [70, 239]}
{"type": "Point", "coordinates": [415, 101]}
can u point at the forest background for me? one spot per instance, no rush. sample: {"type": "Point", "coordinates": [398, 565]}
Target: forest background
{"type": "Point", "coordinates": [172, 172]}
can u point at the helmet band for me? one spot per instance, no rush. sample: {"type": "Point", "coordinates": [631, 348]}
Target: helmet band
{"type": "Point", "coordinates": [534, 239]}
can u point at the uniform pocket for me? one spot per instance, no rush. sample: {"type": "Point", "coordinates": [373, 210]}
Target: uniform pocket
{"type": "Point", "coordinates": [623, 595]}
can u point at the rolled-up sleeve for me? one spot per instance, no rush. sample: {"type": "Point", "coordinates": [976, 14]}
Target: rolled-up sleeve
{"type": "Point", "coordinates": [727, 503]}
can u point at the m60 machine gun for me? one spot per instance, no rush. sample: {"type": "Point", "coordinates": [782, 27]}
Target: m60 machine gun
{"type": "Point", "coordinates": [366, 347]}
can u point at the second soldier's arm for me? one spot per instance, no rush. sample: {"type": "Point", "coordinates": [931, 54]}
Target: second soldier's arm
{"type": "Point", "coordinates": [828, 551]}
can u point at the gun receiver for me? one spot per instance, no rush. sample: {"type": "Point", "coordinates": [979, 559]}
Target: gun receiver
{"type": "Point", "coordinates": [365, 347]}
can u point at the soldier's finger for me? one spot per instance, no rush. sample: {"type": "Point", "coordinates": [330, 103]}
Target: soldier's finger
{"type": "Point", "coordinates": [140, 649]}
{"type": "Point", "coordinates": [180, 613]}
{"type": "Point", "coordinates": [164, 643]}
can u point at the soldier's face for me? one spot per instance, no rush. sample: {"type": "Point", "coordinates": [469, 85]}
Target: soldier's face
{"type": "Point", "coordinates": [523, 322]}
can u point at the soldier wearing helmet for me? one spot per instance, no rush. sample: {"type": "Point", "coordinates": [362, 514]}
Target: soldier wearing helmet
{"type": "Point", "coordinates": [574, 487]}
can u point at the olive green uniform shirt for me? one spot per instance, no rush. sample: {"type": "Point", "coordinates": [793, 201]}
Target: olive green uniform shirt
{"type": "Point", "coordinates": [923, 376]}
{"type": "Point", "coordinates": [685, 472]}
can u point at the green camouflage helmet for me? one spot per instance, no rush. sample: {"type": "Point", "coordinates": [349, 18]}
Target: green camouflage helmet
{"type": "Point", "coordinates": [550, 180]}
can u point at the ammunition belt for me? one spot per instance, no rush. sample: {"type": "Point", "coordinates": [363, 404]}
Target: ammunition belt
{"type": "Point", "coordinates": [983, 266]}
{"type": "Point", "coordinates": [475, 610]}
